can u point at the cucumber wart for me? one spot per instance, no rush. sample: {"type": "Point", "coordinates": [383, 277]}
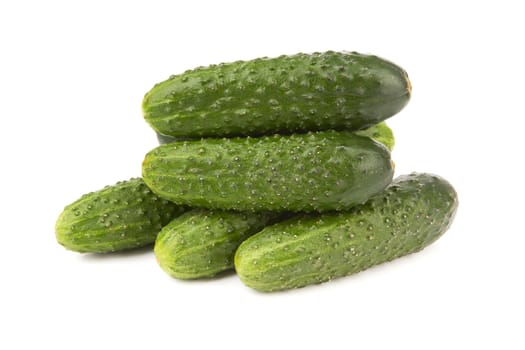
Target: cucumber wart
{"type": "Point", "coordinates": [410, 214]}
{"type": "Point", "coordinates": [286, 94]}
{"type": "Point", "coordinates": [318, 171]}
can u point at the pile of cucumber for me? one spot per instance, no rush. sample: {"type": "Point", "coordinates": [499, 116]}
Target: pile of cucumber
{"type": "Point", "coordinates": [279, 168]}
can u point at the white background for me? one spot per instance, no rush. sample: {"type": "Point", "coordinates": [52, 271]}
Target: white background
{"type": "Point", "coordinates": [72, 78]}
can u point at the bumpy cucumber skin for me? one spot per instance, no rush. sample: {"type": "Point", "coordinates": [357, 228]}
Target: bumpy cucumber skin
{"type": "Point", "coordinates": [379, 132]}
{"type": "Point", "coordinates": [318, 171]}
{"type": "Point", "coordinates": [411, 213]}
{"type": "Point", "coordinates": [286, 94]}
{"type": "Point", "coordinates": [119, 217]}
{"type": "Point", "coordinates": [202, 243]}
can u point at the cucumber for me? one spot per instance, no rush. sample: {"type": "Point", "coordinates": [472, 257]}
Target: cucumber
{"type": "Point", "coordinates": [122, 216]}
{"type": "Point", "coordinates": [202, 243]}
{"type": "Point", "coordinates": [317, 171]}
{"type": "Point", "coordinates": [378, 132]}
{"type": "Point", "coordinates": [411, 213]}
{"type": "Point", "coordinates": [286, 94]}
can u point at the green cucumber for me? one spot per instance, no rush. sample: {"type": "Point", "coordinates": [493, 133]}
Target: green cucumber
{"type": "Point", "coordinates": [378, 132]}
{"type": "Point", "coordinates": [122, 216]}
{"type": "Point", "coordinates": [411, 213]}
{"type": "Point", "coordinates": [286, 94]}
{"type": "Point", "coordinates": [202, 243]}
{"type": "Point", "coordinates": [317, 171]}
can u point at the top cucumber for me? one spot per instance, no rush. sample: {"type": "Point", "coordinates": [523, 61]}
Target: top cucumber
{"type": "Point", "coordinates": [286, 94]}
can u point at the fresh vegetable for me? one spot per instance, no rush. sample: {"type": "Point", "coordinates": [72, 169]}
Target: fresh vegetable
{"type": "Point", "coordinates": [202, 243]}
{"type": "Point", "coordinates": [410, 214]}
{"type": "Point", "coordinates": [119, 217]}
{"type": "Point", "coordinates": [302, 172]}
{"type": "Point", "coordinates": [286, 94]}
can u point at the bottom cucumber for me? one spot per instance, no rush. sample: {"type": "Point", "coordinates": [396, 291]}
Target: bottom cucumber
{"type": "Point", "coordinates": [202, 243]}
{"type": "Point", "coordinates": [122, 216]}
{"type": "Point", "coordinates": [407, 216]}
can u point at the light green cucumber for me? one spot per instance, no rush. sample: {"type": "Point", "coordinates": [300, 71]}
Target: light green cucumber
{"type": "Point", "coordinates": [122, 216]}
{"type": "Point", "coordinates": [381, 133]}
{"type": "Point", "coordinates": [202, 243]}
{"type": "Point", "coordinates": [410, 214]}
{"type": "Point", "coordinates": [318, 171]}
{"type": "Point", "coordinates": [285, 94]}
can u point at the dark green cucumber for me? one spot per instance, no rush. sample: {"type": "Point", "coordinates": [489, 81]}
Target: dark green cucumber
{"type": "Point", "coordinates": [202, 243]}
{"type": "Point", "coordinates": [119, 217]}
{"type": "Point", "coordinates": [286, 94]}
{"type": "Point", "coordinates": [378, 132]}
{"type": "Point", "coordinates": [318, 171]}
{"type": "Point", "coordinates": [411, 213]}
